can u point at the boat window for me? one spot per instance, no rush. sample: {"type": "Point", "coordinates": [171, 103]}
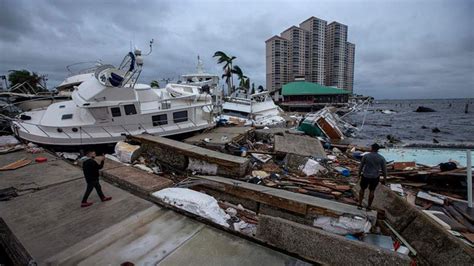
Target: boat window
{"type": "Point", "coordinates": [181, 116]}
{"type": "Point", "coordinates": [115, 111]}
{"type": "Point", "coordinates": [66, 116]}
{"type": "Point", "coordinates": [130, 109]}
{"type": "Point", "coordinates": [159, 120]}
{"type": "Point", "coordinates": [62, 106]}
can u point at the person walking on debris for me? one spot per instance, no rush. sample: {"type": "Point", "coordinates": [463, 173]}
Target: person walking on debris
{"type": "Point", "coordinates": [91, 173]}
{"type": "Point", "coordinates": [369, 173]}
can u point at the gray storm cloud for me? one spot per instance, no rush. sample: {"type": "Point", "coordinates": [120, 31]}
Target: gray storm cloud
{"type": "Point", "coordinates": [404, 49]}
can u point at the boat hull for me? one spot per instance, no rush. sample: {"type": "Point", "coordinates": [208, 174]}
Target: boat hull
{"type": "Point", "coordinates": [86, 139]}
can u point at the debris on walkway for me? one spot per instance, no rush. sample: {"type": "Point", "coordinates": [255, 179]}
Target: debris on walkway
{"type": "Point", "coordinates": [15, 165]}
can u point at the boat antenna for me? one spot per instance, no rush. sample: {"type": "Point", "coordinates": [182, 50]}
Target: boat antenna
{"type": "Point", "coordinates": [151, 47]}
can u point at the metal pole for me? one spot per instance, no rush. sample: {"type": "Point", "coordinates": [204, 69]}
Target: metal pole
{"type": "Point", "coordinates": [469, 179]}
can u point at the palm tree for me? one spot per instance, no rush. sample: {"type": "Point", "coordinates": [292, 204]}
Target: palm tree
{"type": "Point", "coordinates": [224, 58]}
{"type": "Point", "coordinates": [244, 80]}
{"type": "Point", "coordinates": [155, 84]}
{"type": "Point", "coordinates": [32, 79]}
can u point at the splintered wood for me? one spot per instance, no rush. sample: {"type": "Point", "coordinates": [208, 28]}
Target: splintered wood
{"type": "Point", "coordinates": [15, 165]}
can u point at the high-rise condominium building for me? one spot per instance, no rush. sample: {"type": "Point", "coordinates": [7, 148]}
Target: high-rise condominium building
{"type": "Point", "coordinates": [315, 53]}
{"type": "Point", "coordinates": [315, 50]}
{"type": "Point", "coordinates": [349, 68]}
{"type": "Point", "coordinates": [277, 62]}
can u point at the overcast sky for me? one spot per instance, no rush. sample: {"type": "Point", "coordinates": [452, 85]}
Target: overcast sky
{"type": "Point", "coordinates": [404, 49]}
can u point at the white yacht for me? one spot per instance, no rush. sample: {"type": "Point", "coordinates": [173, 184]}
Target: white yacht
{"type": "Point", "coordinates": [110, 105]}
{"type": "Point", "coordinates": [258, 109]}
{"type": "Point", "coordinates": [76, 77]}
{"type": "Point", "coordinates": [201, 78]}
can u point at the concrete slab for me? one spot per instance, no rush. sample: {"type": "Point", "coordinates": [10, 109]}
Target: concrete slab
{"type": "Point", "coordinates": [295, 202]}
{"type": "Point", "coordinates": [433, 243]}
{"type": "Point", "coordinates": [163, 237]}
{"type": "Point", "coordinates": [142, 243]}
{"type": "Point", "coordinates": [219, 136]}
{"type": "Point", "coordinates": [178, 154]}
{"type": "Point", "coordinates": [135, 179]}
{"type": "Point", "coordinates": [52, 220]}
{"type": "Point", "coordinates": [213, 247]}
{"type": "Point", "coordinates": [36, 175]}
{"type": "Point", "coordinates": [299, 145]}
{"type": "Point", "coordinates": [323, 247]}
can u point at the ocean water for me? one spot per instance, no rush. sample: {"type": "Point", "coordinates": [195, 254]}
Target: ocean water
{"type": "Point", "coordinates": [456, 127]}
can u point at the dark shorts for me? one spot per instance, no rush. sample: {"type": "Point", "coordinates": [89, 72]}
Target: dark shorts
{"type": "Point", "coordinates": [371, 183]}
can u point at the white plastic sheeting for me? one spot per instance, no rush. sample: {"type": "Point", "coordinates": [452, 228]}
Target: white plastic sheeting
{"type": "Point", "coordinates": [194, 202]}
{"type": "Point", "coordinates": [343, 225]}
{"type": "Point", "coordinates": [312, 167]}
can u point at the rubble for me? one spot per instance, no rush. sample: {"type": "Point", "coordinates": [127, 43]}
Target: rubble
{"type": "Point", "coordinates": [285, 173]}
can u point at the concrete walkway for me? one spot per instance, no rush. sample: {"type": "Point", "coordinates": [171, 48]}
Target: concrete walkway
{"type": "Point", "coordinates": [48, 221]}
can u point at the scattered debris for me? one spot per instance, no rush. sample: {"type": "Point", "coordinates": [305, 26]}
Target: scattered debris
{"type": "Point", "coordinates": [426, 196]}
{"type": "Point", "coordinates": [33, 148]}
{"type": "Point", "coordinates": [41, 159]}
{"type": "Point", "coordinates": [343, 225]}
{"type": "Point", "coordinates": [398, 188]}
{"type": "Point", "coordinates": [312, 167]}
{"type": "Point", "coordinates": [8, 140]}
{"type": "Point", "coordinates": [382, 241]}
{"type": "Point", "coordinates": [262, 157]}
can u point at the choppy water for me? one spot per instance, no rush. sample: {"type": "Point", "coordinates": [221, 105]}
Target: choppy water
{"type": "Point", "coordinates": [406, 125]}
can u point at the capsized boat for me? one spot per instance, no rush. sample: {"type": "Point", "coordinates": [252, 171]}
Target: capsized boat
{"type": "Point", "coordinates": [111, 105]}
{"type": "Point", "coordinates": [326, 123]}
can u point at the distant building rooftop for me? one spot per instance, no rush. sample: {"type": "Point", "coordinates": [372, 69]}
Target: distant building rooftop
{"type": "Point", "coordinates": [309, 88]}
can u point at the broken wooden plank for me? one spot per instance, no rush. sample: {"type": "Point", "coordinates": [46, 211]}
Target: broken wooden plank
{"type": "Point", "coordinates": [15, 165]}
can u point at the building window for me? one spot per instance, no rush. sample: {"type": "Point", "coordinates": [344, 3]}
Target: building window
{"type": "Point", "coordinates": [66, 116]}
{"type": "Point", "coordinates": [130, 109]}
{"type": "Point", "coordinates": [115, 111]}
{"type": "Point", "coordinates": [159, 120]}
{"type": "Point", "coordinates": [181, 116]}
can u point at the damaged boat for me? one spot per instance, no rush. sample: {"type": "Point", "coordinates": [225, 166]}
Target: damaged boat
{"type": "Point", "coordinates": [257, 109]}
{"type": "Point", "coordinates": [325, 123]}
{"type": "Point", "coordinates": [110, 105]}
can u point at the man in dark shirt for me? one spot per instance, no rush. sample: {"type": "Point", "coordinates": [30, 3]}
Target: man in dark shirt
{"type": "Point", "coordinates": [369, 173]}
{"type": "Point", "coordinates": [91, 173]}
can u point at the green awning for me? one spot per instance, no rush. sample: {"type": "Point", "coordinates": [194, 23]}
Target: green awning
{"type": "Point", "coordinates": [310, 88]}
